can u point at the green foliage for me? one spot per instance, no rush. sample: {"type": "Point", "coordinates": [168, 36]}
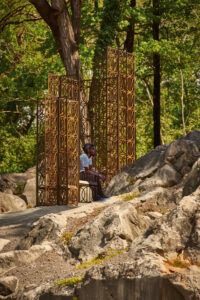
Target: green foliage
{"type": "Point", "coordinates": [16, 153]}
{"type": "Point", "coordinates": [27, 54]}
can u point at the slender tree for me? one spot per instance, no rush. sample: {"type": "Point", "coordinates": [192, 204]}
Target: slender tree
{"type": "Point", "coordinates": [157, 75]}
{"type": "Point", "coordinates": [130, 34]}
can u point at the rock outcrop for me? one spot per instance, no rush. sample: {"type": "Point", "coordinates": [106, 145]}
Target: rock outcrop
{"type": "Point", "coordinates": [165, 166]}
{"type": "Point", "coordinates": [143, 243]}
{"type": "Point", "coordinates": [167, 256]}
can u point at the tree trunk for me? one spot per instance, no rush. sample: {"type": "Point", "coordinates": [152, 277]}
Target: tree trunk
{"type": "Point", "coordinates": [130, 34]}
{"type": "Point", "coordinates": [57, 17]}
{"type": "Point", "coordinates": [157, 76]}
{"type": "Point", "coordinates": [76, 18]}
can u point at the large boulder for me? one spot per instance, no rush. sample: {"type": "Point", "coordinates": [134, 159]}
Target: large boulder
{"type": "Point", "coordinates": [165, 166]}
{"type": "Point", "coordinates": [47, 228]}
{"type": "Point", "coordinates": [11, 203]}
{"type": "Point", "coordinates": [30, 192]}
{"type": "Point", "coordinates": [142, 168]}
{"type": "Point", "coordinates": [17, 258]}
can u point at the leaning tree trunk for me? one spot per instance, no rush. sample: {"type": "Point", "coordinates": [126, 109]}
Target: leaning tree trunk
{"type": "Point", "coordinates": [57, 17]}
{"type": "Point", "coordinates": [66, 33]}
{"type": "Point", "coordinates": [157, 76]}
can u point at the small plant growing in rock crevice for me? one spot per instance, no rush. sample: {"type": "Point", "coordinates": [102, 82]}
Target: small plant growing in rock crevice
{"type": "Point", "coordinates": [72, 281]}
{"type": "Point", "coordinates": [131, 196]}
{"type": "Point", "coordinates": [66, 237]}
{"type": "Point", "coordinates": [178, 263]}
{"type": "Point", "coordinates": [101, 258]}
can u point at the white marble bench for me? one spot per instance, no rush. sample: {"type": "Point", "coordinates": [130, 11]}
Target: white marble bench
{"type": "Point", "coordinates": [85, 191]}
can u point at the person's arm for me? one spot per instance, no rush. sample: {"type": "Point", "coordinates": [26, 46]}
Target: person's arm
{"type": "Point", "coordinates": [91, 170]}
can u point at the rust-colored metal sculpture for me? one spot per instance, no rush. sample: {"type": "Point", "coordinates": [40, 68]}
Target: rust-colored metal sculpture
{"type": "Point", "coordinates": [58, 144]}
{"type": "Point", "coordinates": [107, 118]}
{"type": "Point", "coordinates": [112, 111]}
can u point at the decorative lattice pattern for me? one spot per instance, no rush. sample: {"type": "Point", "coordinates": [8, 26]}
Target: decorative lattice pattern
{"type": "Point", "coordinates": [112, 111]}
{"type": "Point", "coordinates": [58, 144]}
{"type": "Point", "coordinates": [101, 111]}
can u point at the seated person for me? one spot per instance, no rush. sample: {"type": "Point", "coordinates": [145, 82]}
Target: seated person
{"type": "Point", "coordinates": [88, 173]}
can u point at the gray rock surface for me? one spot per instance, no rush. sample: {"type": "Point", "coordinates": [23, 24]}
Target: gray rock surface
{"type": "Point", "coordinates": [3, 243]}
{"type": "Point", "coordinates": [16, 258]}
{"type": "Point", "coordinates": [192, 181]}
{"type": "Point", "coordinates": [193, 136]}
{"type": "Point", "coordinates": [115, 228]}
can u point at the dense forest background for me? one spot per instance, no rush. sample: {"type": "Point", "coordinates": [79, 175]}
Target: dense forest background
{"type": "Point", "coordinates": [163, 34]}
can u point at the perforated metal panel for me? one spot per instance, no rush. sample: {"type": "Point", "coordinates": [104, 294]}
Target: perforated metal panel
{"type": "Point", "coordinates": [112, 111]}
{"type": "Point", "coordinates": [107, 119]}
{"type": "Point", "coordinates": [58, 144]}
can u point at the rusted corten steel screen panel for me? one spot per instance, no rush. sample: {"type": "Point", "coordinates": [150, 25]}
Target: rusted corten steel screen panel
{"type": "Point", "coordinates": [113, 111]}
{"type": "Point", "coordinates": [58, 144]}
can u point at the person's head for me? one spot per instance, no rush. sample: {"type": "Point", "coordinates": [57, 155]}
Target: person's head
{"type": "Point", "coordinates": [89, 149]}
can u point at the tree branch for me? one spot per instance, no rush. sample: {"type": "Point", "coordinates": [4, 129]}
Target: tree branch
{"type": "Point", "coordinates": [45, 11]}
{"type": "Point", "coordinates": [22, 21]}
{"type": "Point", "coordinates": [14, 13]}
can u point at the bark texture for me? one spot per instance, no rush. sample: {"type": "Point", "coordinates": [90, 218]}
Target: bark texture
{"type": "Point", "coordinates": [58, 19]}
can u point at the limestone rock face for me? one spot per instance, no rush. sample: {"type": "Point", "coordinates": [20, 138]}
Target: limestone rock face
{"type": "Point", "coordinates": [9, 202]}
{"type": "Point", "coordinates": [17, 258]}
{"type": "Point", "coordinates": [162, 264]}
{"type": "Point", "coordinates": [115, 228]}
{"type": "Point", "coordinates": [154, 220]}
